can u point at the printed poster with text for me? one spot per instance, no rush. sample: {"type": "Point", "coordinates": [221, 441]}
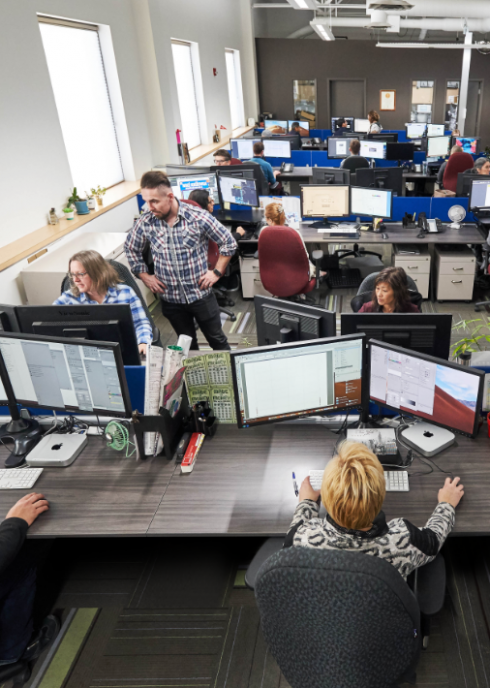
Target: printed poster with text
{"type": "Point", "coordinates": [208, 378]}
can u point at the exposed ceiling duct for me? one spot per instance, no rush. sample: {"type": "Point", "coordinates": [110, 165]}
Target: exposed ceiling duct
{"type": "Point", "coordinates": [434, 24]}
{"type": "Point", "coordinates": [390, 5]}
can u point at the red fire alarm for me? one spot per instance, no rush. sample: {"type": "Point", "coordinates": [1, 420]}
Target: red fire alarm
{"type": "Point", "coordinates": [215, 71]}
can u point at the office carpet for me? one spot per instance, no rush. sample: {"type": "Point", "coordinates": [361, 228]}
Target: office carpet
{"type": "Point", "coordinates": [168, 613]}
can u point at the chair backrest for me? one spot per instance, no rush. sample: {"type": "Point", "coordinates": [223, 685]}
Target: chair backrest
{"type": "Point", "coordinates": [235, 161]}
{"type": "Point", "coordinates": [367, 284]}
{"type": "Point", "coordinates": [283, 261]}
{"type": "Point", "coordinates": [337, 619]}
{"type": "Point", "coordinates": [459, 162]}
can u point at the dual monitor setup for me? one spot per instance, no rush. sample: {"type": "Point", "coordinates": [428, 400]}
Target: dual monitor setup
{"type": "Point", "coordinates": [279, 147]}
{"type": "Point", "coordinates": [225, 185]}
{"type": "Point", "coordinates": [374, 149]}
{"type": "Point", "coordinates": [337, 201]}
{"type": "Point", "coordinates": [283, 126]}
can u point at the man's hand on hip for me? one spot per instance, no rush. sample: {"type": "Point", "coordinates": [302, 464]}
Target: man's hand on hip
{"type": "Point", "coordinates": [152, 282]}
{"type": "Point", "coordinates": [208, 279]}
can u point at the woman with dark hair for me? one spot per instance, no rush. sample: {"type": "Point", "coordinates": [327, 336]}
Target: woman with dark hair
{"type": "Point", "coordinates": [390, 294]}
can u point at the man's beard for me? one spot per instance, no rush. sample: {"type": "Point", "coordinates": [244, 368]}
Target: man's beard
{"type": "Point", "coordinates": [162, 216]}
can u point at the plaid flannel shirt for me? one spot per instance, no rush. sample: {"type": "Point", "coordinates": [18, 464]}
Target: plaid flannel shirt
{"type": "Point", "coordinates": [180, 253]}
{"type": "Point", "coordinates": [122, 293]}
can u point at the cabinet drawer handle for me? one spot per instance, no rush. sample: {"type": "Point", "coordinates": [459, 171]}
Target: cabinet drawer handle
{"type": "Point", "coordinates": [413, 267]}
{"type": "Point", "coordinates": [255, 267]}
{"type": "Point", "coordinates": [457, 281]}
{"type": "Point", "coordinates": [456, 269]}
{"type": "Point", "coordinates": [414, 279]}
{"type": "Point", "coordinates": [257, 280]}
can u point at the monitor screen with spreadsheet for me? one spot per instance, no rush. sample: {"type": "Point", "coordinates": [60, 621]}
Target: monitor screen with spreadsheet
{"type": "Point", "coordinates": [436, 390]}
{"type": "Point", "coordinates": [277, 148]}
{"type": "Point", "coordinates": [435, 130]}
{"type": "Point", "coordinates": [243, 149]}
{"type": "Point", "coordinates": [480, 193]}
{"type": "Point", "coordinates": [293, 380]}
{"type": "Point", "coordinates": [373, 149]}
{"type": "Point", "coordinates": [183, 186]}
{"type": "Point", "coordinates": [362, 126]}
{"type": "Point", "coordinates": [415, 130]}
{"type": "Point", "coordinates": [371, 202]}
{"type": "Point", "coordinates": [324, 200]}
{"type": "Point", "coordinates": [66, 374]}
{"type": "Point", "coordinates": [438, 146]}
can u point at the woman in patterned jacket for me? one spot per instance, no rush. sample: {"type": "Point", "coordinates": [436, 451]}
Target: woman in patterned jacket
{"type": "Point", "coordinates": [353, 490]}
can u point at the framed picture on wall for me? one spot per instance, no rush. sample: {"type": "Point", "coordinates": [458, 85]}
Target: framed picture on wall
{"type": "Point", "coordinates": [387, 99]}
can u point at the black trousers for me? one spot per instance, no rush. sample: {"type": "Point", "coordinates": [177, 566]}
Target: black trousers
{"type": "Point", "coordinates": [206, 312]}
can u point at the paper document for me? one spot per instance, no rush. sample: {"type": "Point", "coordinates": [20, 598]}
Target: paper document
{"type": "Point", "coordinates": [486, 393]}
{"type": "Point", "coordinates": [208, 378]}
{"type": "Point", "coordinates": [341, 229]}
{"type": "Point", "coordinates": [291, 205]}
{"type": "Point", "coordinates": [153, 380]}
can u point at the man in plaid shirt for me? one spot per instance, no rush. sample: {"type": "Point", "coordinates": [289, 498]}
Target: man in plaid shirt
{"type": "Point", "coordinates": [178, 234]}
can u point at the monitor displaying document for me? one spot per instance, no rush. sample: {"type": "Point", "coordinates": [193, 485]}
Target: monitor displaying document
{"type": "Point", "coordinates": [415, 130]}
{"type": "Point", "coordinates": [480, 193]}
{"type": "Point", "coordinates": [435, 130]}
{"type": "Point", "coordinates": [361, 126]}
{"type": "Point", "coordinates": [277, 148]}
{"type": "Point", "coordinates": [325, 200]}
{"type": "Point", "coordinates": [438, 146]}
{"type": "Point", "coordinates": [238, 190]}
{"type": "Point", "coordinates": [183, 186]}
{"type": "Point", "coordinates": [243, 149]}
{"type": "Point", "coordinates": [371, 202]}
{"type": "Point", "coordinates": [373, 149]}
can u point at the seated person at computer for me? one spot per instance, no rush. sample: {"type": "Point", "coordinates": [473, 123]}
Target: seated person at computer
{"type": "Point", "coordinates": [353, 490]}
{"type": "Point", "coordinates": [94, 280]}
{"type": "Point", "coordinates": [481, 166]}
{"type": "Point", "coordinates": [340, 123]}
{"type": "Point", "coordinates": [298, 130]}
{"type": "Point", "coordinates": [269, 173]}
{"type": "Point", "coordinates": [354, 161]}
{"type": "Point", "coordinates": [374, 123]}
{"type": "Point", "coordinates": [203, 198]}
{"type": "Point", "coordinates": [442, 168]}
{"type": "Point", "coordinates": [223, 157]}
{"type": "Point", "coordinates": [390, 294]}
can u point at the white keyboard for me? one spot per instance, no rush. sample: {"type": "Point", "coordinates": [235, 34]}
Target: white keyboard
{"type": "Point", "coordinates": [316, 478]}
{"type": "Point", "coordinates": [18, 478]}
{"type": "Point", "coordinates": [397, 481]}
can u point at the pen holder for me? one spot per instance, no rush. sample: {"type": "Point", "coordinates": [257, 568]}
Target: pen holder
{"type": "Point", "coordinates": [203, 419]}
{"type": "Point", "coordinates": [170, 428]}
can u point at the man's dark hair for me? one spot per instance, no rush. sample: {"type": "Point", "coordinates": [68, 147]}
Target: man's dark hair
{"type": "Point", "coordinates": [340, 121]}
{"type": "Point", "coordinates": [295, 125]}
{"type": "Point", "coordinates": [258, 147]}
{"type": "Point", "coordinates": [154, 179]}
{"type": "Point", "coordinates": [222, 153]}
{"type": "Point", "coordinates": [201, 196]}
{"type": "Point", "coordinates": [355, 146]}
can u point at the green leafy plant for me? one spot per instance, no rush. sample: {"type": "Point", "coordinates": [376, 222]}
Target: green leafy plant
{"type": "Point", "coordinates": [74, 197]}
{"type": "Point", "coordinates": [468, 345]}
{"type": "Point", "coordinates": [98, 191]}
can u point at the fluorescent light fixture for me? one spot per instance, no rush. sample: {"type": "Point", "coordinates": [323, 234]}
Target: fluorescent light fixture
{"type": "Point", "coordinates": [324, 31]}
{"type": "Point", "coordinates": [303, 4]}
{"type": "Point", "coordinates": [440, 46]}
{"type": "Point", "coordinates": [390, 5]}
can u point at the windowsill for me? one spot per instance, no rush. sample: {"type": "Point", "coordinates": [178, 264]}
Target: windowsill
{"type": "Point", "coordinates": [202, 151]}
{"type": "Point", "coordinates": [40, 238]}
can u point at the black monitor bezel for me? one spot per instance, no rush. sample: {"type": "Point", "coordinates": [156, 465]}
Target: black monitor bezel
{"type": "Point", "coordinates": [311, 342]}
{"type": "Point", "coordinates": [289, 307]}
{"type": "Point", "coordinates": [342, 171]}
{"type": "Point", "coordinates": [478, 179]}
{"type": "Point", "coordinates": [431, 138]}
{"type": "Point", "coordinates": [384, 217]}
{"type": "Point", "coordinates": [322, 186]}
{"type": "Point", "coordinates": [400, 143]}
{"type": "Point", "coordinates": [242, 205]}
{"type": "Point", "coordinates": [112, 346]}
{"type": "Point", "coordinates": [431, 359]}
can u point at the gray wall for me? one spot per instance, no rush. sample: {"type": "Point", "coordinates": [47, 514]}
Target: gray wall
{"type": "Point", "coordinates": [279, 61]}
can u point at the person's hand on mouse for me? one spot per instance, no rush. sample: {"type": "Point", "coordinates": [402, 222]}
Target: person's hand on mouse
{"type": "Point", "coordinates": [452, 492]}
{"type": "Point", "coordinates": [307, 492]}
{"type": "Point", "coordinates": [29, 507]}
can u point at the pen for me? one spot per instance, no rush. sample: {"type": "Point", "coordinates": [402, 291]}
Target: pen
{"type": "Point", "coordinates": [295, 485]}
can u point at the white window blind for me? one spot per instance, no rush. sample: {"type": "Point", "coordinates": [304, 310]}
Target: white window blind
{"type": "Point", "coordinates": [186, 93]}
{"type": "Point", "coordinates": [80, 90]}
{"type": "Point", "coordinates": [235, 92]}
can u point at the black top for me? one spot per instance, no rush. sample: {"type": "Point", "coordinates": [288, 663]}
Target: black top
{"type": "Point", "coordinates": [12, 535]}
{"type": "Point", "coordinates": [354, 162]}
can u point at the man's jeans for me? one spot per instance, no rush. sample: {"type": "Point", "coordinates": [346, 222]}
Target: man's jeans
{"type": "Point", "coordinates": [206, 312]}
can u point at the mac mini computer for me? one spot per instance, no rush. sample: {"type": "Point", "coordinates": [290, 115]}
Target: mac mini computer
{"type": "Point", "coordinates": [56, 450]}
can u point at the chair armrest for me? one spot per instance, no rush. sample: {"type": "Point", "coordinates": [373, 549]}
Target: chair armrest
{"type": "Point", "coordinates": [430, 586]}
{"type": "Point", "coordinates": [269, 547]}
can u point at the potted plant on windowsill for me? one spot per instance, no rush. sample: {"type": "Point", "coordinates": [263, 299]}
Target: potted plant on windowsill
{"type": "Point", "coordinates": [99, 192]}
{"type": "Point", "coordinates": [80, 203]}
{"type": "Point", "coordinates": [463, 349]}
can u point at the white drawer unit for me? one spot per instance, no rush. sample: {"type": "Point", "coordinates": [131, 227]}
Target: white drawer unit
{"type": "Point", "coordinates": [251, 282]}
{"type": "Point", "coordinates": [416, 266]}
{"type": "Point", "coordinates": [455, 273]}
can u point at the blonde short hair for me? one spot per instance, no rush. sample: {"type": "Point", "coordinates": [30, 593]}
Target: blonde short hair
{"type": "Point", "coordinates": [353, 486]}
{"type": "Point", "coordinates": [102, 274]}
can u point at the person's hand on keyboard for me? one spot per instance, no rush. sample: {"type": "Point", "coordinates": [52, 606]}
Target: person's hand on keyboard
{"type": "Point", "coordinates": [29, 507]}
{"type": "Point", "coordinates": [451, 492]}
{"type": "Point", "coordinates": [307, 492]}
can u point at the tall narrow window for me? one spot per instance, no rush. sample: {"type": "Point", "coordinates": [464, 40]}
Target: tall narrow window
{"type": "Point", "coordinates": [235, 91]}
{"type": "Point", "coordinates": [187, 93]}
{"type": "Point", "coordinates": [81, 94]}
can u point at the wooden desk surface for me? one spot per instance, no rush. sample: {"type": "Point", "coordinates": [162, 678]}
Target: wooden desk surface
{"type": "Point", "coordinates": [468, 234]}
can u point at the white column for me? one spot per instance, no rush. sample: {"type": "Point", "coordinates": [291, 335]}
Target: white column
{"type": "Point", "coordinates": [463, 89]}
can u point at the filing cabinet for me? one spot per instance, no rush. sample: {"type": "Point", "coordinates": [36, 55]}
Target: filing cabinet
{"type": "Point", "coordinates": [417, 266]}
{"type": "Point", "coordinates": [455, 273]}
{"type": "Point", "coordinates": [250, 276]}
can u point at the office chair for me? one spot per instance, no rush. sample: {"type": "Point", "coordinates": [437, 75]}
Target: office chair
{"type": "Point", "coordinates": [460, 162]}
{"type": "Point", "coordinates": [127, 278]}
{"type": "Point", "coordinates": [284, 264]}
{"type": "Point", "coordinates": [348, 277]}
{"type": "Point", "coordinates": [366, 289]}
{"type": "Point", "coordinates": [235, 161]}
{"type": "Point", "coordinates": [333, 618]}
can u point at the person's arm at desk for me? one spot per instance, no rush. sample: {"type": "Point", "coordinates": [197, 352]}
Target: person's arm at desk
{"type": "Point", "coordinates": [307, 509]}
{"type": "Point", "coordinates": [13, 530]}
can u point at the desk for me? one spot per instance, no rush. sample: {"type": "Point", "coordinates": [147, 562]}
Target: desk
{"type": "Point", "coordinates": [468, 234]}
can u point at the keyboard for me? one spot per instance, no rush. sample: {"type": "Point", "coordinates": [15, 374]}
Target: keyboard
{"type": "Point", "coordinates": [18, 478]}
{"type": "Point", "coordinates": [397, 481]}
{"type": "Point", "coordinates": [346, 278]}
{"type": "Point", "coordinates": [316, 478]}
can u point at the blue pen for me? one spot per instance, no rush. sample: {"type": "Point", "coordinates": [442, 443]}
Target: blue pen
{"type": "Point", "coordinates": [295, 485]}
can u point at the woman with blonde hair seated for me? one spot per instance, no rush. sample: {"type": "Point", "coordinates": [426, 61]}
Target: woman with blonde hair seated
{"type": "Point", "coordinates": [353, 490]}
{"type": "Point", "coordinates": [94, 280]}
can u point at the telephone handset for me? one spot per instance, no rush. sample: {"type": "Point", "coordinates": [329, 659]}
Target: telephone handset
{"type": "Point", "coordinates": [287, 167]}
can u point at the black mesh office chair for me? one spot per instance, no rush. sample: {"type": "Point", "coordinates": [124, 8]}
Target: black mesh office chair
{"type": "Point", "coordinates": [346, 619]}
{"type": "Point", "coordinates": [126, 278]}
{"type": "Point", "coordinates": [366, 288]}
{"type": "Point", "coordinates": [348, 277]}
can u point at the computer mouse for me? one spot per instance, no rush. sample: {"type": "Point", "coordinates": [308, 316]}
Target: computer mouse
{"type": "Point", "coordinates": [384, 235]}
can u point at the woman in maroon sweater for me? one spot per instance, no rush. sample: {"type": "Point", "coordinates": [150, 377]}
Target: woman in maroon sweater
{"type": "Point", "coordinates": [390, 294]}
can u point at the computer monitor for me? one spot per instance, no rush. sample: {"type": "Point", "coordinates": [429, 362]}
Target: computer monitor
{"type": "Point", "coordinates": [465, 180]}
{"type": "Point", "coordinates": [479, 194]}
{"type": "Point", "coordinates": [182, 187]}
{"type": "Point", "coordinates": [303, 125]}
{"type": "Point", "coordinates": [8, 319]}
{"type": "Point", "coordinates": [338, 147]}
{"type": "Point", "coordinates": [102, 322]}
{"type": "Point", "coordinates": [400, 151]}
{"type": "Point", "coordinates": [371, 202]}
{"type": "Point", "coordinates": [295, 380]}
{"type": "Point", "coordinates": [388, 137]}
{"type": "Point", "coordinates": [415, 130]}
{"type": "Point", "coordinates": [242, 148]}
{"type": "Point", "coordinates": [361, 126]}
{"type": "Point", "coordinates": [280, 322]}
{"type": "Point", "coordinates": [247, 170]}
{"type": "Point", "coordinates": [278, 126]}
{"type": "Point", "coordinates": [381, 178]}
{"type": "Point", "coordinates": [325, 200]}
{"type": "Point", "coordinates": [330, 175]}
{"type": "Point", "coordinates": [442, 392]}
{"type": "Point", "coordinates": [338, 124]}
{"type": "Point", "coordinates": [279, 147]}
{"type": "Point", "coordinates": [66, 374]}
{"type": "Point", "coordinates": [373, 149]}
{"type": "Point", "coordinates": [435, 130]}
{"type": "Point", "coordinates": [427, 333]}
{"type": "Point", "coordinates": [438, 146]}
{"type": "Point", "coordinates": [239, 190]}
{"type": "Point", "coordinates": [469, 144]}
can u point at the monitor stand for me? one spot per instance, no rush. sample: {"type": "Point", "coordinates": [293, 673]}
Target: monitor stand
{"type": "Point", "coordinates": [427, 439]}
{"type": "Point", "coordinates": [324, 224]}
